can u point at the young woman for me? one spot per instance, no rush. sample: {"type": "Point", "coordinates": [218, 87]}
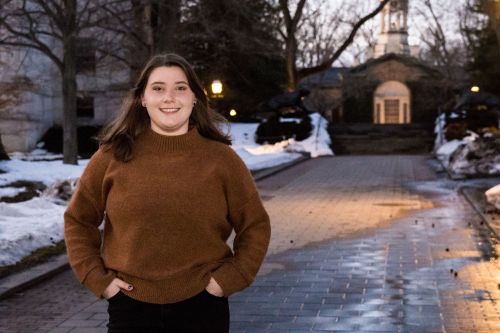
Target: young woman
{"type": "Point", "coordinates": [169, 191]}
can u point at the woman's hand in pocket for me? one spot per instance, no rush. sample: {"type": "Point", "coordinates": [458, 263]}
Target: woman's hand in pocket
{"type": "Point", "coordinates": [115, 287]}
{"type": "Point", "coordinates": [214, 288]}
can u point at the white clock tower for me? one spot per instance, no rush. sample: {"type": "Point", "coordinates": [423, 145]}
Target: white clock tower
{"type": "Point", "coordinates": [393, 37]}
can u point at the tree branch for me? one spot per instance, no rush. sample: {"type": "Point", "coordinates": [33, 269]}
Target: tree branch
{"type": "Point", "coordinates": [25, 39]}
{"type": "Point", "coordinates": [328, 63]}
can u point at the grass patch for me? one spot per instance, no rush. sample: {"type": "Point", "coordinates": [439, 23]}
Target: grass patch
{"type": "Point", "coordinates": [36, 257]}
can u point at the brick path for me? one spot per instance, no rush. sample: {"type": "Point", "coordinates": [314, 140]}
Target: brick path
{"type": "Point", "coordinates": [355, 248]}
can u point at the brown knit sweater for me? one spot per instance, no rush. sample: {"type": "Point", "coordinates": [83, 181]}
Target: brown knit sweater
{"type": "Point", "coordinates": [167, 215]}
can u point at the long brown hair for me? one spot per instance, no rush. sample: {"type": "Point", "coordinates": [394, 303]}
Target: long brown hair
{"type": "Point", "coordinates": [119, 135]}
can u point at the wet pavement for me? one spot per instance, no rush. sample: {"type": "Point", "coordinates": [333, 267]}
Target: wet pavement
{"type": "Point", "coordinates": [360, 244]}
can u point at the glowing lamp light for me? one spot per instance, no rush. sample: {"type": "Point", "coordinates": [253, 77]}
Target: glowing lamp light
{"type": "Point", "coordinates": [233, 113]}
{"type": "Point", "coordinates": [474, 89]}
{"type": "Point", "coordinates": [216, 87]}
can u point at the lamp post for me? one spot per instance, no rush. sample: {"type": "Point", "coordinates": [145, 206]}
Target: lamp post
{"type": "Point", "coordinates": [474, 89]}
{"type": "Point", "coordinates": [216, 94]}
{"type": "Point", "coordinates": [216, 88]}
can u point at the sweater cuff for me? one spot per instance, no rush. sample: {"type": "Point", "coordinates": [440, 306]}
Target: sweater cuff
{"type": "Point", "coordinates": [98, 279]}
{"type": "Point", "coordinates": [230, 279]}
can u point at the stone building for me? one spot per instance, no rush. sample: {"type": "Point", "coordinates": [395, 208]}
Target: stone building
{"type": "Point", "coordinates": [31, 93]}
{"type": "Point", "coordinates": [392, 87]}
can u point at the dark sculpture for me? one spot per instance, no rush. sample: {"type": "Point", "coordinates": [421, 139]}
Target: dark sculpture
{"type": "Point", "coordinates": [291, 99]}
{"type": "Point", "coordinates": [477, 110]}
{"type": "Point", "coordinates": [470, 99]}
{"type": "Point", "coordinates": [289, 118]}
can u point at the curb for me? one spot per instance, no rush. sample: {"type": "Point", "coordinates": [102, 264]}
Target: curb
{"type": "Point", "coordinates": [268, 172]}
{"type": "Point", "coordinates": [466, 192]}
{"type": "Point", "coordinates": [494, 226]}
{"type": "Point", "coordinates": [20, 281]}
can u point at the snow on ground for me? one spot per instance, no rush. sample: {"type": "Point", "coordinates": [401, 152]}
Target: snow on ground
{"type": "Point", "coordinates": [493, 196]}
{"type": "Point", "coordinates": [318, 144]}
{"type": "Point", "coordinates": [11, 191]}
{"type": "Point", "coordinates": [444, 152]}
{"type": "Point", "coordinates": [28, 225]}
{"type": "Point", "coordinates": [47, 172]}
{"type": "Point", "coordinates": [256, 156]}
{"type": "Point", "coordinates": [268, 155]}
{"type": "Point", "coordinates": [440, 123]}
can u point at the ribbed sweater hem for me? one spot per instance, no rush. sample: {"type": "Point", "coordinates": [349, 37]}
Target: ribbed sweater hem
{"type": "Point", "coordinates": [170, 290]}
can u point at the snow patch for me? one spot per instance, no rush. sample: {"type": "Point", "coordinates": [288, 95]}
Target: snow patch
{"type": "Point", "coordinates": [47, 172]}
{"type": "Point", "coordinates": [27, 226]}
{"type": "Point", "coordinates": [318, 144]}
{"type": "Point", "coordinates": [493, 196]}
{"type": "Point", "coordinates": [11, 191]}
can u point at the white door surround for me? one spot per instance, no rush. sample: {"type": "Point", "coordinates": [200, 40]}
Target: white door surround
{"type": "Point", "coordinates": [391, 103]}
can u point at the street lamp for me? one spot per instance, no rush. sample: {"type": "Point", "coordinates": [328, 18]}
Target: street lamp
{"type": "Point", "coordinates": [474, 89]}
{"type": "Point", "coordinates": [216, 88]}
{"type": "Point", "coordinates": [233, 113]}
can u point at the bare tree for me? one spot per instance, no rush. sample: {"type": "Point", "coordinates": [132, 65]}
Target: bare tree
{"type": "Point", "coordinates": [492, 8]}
{"type": "Point", "coordinates": [289, 32]}
{"type": "Point", "coordinates": [320, 33]}
{"type": "Point", "coordinates": [51, 28]}
{"type": "Point", "coordinates": [475, 18]}
{"type": "Point", "coordinates": [440, 49]}
{"type": "Point", "coordinates": [315, 43]}
{"type": "Point", "coordinates": [144, 27]}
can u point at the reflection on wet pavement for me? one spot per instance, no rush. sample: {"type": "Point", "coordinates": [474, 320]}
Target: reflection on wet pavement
{"type": "Point", "coordinates": [434, 270]}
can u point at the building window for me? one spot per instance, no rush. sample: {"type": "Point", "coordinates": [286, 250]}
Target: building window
{"type": "Point", "coordinates": [85, 55]}
{"type": "Point", "coordinates": [377, 115]}
{"type": "Point", "coordinates": [85, 107]}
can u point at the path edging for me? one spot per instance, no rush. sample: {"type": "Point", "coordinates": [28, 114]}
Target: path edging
{"type": "Point", "coordinates": [465, 191]}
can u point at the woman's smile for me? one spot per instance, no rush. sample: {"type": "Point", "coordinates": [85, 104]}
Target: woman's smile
{"type": "Point", "coordinates": [169, 110]}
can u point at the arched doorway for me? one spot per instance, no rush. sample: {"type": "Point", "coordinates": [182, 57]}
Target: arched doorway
{"type": "Point", "coordinates": [392, 103]}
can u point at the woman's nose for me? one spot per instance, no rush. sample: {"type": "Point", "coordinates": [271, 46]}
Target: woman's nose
{"type": "Point", "coordinates": [169, 96]}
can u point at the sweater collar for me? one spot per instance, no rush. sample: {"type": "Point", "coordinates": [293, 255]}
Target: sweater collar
{"type": "Point", "coordinates": [172, 143]}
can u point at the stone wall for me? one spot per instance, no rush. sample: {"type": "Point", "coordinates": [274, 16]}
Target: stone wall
{"type": "Point", "coordinates": [36, 83]}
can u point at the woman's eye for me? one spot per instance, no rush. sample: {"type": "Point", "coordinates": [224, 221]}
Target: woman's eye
{"type": "Point", "coordinates": [157, 88]}
{"type": "Point", "coordinates": [182, 88]}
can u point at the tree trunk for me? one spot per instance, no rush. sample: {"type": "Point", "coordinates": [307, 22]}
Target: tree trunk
{"type": "Point", "coordinates": [70, 139]}
{"type": "Point", "coordinates": [493, 10]}
{"type": "Point", "coordinates": [139, 50]}
{"type": "Point", "coordinates": [166, 20]}
{"type": "Point", "coordinates": [291, 23]}
{"type": "Point", "coordinates": [291, 67]}
{"type": "Point", "coordinates": [3, 153]}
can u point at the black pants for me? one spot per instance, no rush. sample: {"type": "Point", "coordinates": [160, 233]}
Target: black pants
{"type": "Point", "coordinates": [201, 313]}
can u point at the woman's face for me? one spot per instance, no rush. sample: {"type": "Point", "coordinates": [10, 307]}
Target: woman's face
{"type": "Point", "coordinates": [169, 100]}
